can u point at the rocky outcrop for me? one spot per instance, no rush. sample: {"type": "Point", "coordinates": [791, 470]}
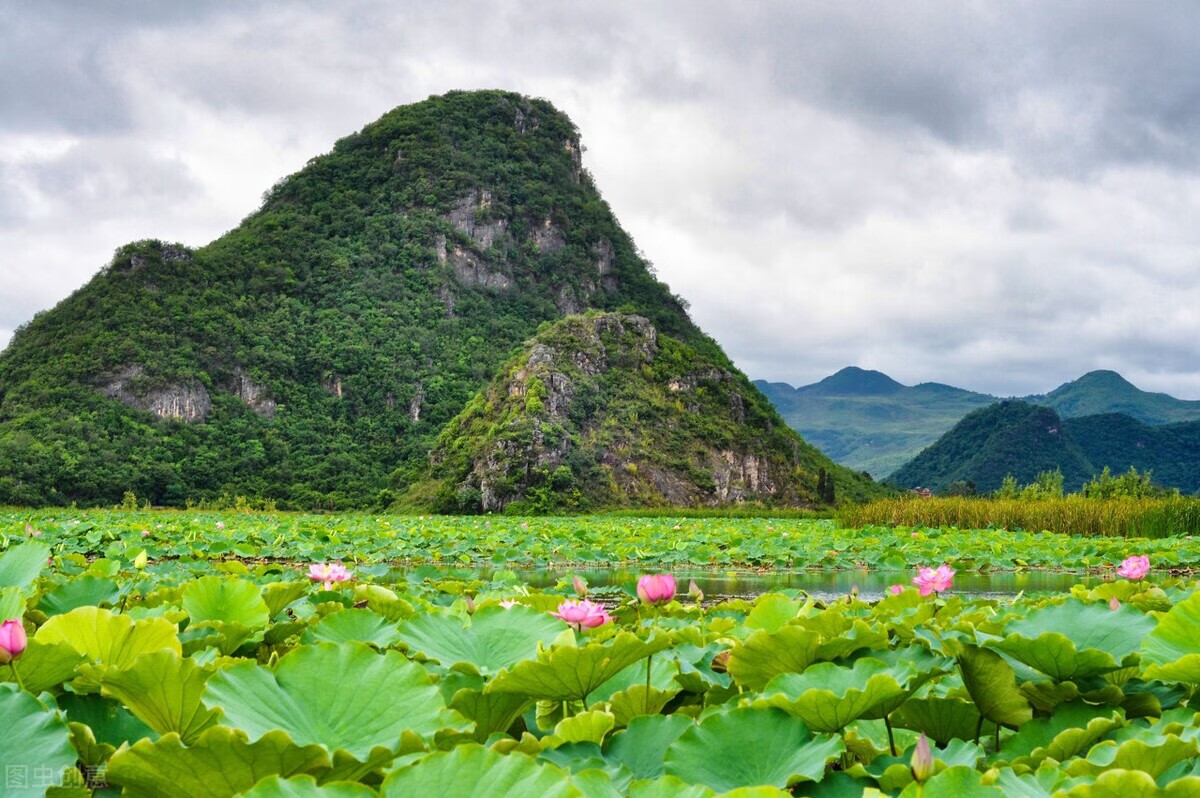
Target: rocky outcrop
{"type": "Point", "coordinates": [547, 237]}
{"type": "Point", "coordinates": [187, 401]}
{"type": "Point", "coordinates": [254, 395]}
{"type": "Point", "coordinates": [471, 270]}
{"type": "Point", "coordinates": [470, 216]}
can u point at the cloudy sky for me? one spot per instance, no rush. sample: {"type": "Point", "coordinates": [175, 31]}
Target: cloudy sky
{"type": "Point", "coordinates": [1000, 196]}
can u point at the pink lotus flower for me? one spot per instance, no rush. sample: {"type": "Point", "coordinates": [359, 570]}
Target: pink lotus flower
{"type": "Point", "coordinates": [145, 533]}
{"type": "Point", "coordinates": [934, 580]}
{"type": "Point", "coordinates": [656, 588]}
{"type": "Point", "coordinates": [220, 525]}
{"type": "Point", "coordinates": [12, 641]}
{"type": "Point", "coordinates": [582, 613]}
{"type": "Point", "coordinates": [508, 604]}
{"type": "Point", "coordinates": [896, 589]}
{"type": "Point", "coordinates": [328, 573]}
{"type": "Point", "coordinates": [1135, 567]}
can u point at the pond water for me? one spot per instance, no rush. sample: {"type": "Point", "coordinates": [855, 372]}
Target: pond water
{"type": "Point", "coordinates": [825, 585]}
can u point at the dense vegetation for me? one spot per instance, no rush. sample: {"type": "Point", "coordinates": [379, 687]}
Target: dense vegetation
{"type": "Point", "coordinates": [154, 663]}
{"type": "Point", "coordinates": [1020, 440]}
{"type": "Point", "coordinates": [313, 354]}
{"type": "Point", "coordinates": [602, 411]}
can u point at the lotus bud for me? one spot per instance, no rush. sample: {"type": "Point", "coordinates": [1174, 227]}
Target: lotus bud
{"type": "Point", "coordinates": [656, 588]}
{"type": "Point", "coordinates": [12, 641]}
{"type": "Point", "coordinates": [694, 591]}
{"type": "Point", "coordinates": [581, 588]}
{"type": "Point", "coordinates": [922, 759]}
{"type": "Point", "coordinates": [470, 604]}
{"type": "Point", "coordinates": [1113, 604]}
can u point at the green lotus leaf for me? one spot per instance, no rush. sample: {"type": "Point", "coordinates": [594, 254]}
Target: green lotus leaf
{"type": "Point", "coordinates": [278, 595]}
{"type": "Point", "coordinates": [224, 636]}
{"type": "Point", "coordinates": [750, 746]}
{"type": "Point", "coordinates": [953, 782]}
{"type": "Point", "coordinates": [671, 787]}
{"type": "Point", "coordinates": [164, 691]}
{"type": "Point", "coordinates": [695, 667]}
{"type": "Point", "coordinates": [305, 786]}
{"type": "Point", "coordinates": [109, 640]}
{"type": "Point", "coordinates": [492, 639]}
{"type": "Point", "coordinates": [993, 687]}
{"type": "Point", "coordinates": [225, 600]}
{"type": "Point", "coordinates": [82, 591]}
{"type": "Point", "coordinates": [586, 727]}
{"type": "Point", "coordinates": [1119, 783]}
{"type": "Point", "coordinates": [764, 655]}
{"type": "Point", "coordinates": [643, 744]}
{"type": "Point", "coordinates": [21, 565]}
{"type": "Point", "coordinates": [772, 612]}
{"type": "Point", "coordinates": [828, 696]}
{"type": "Point", "coordinates": [12, 603]}
{"type": "Point", "coordinates": [481, 773]}
{"type": "Point", "coordinates": [35, 748]}
{"type": "Point", "coordinates": [44, 666]}
{"type": "Point", "coordinates": [894, 773]}
{"type": "Point", "coordinates": [346, 697]}
{"type": "Point", "coordinates": [492, 712]}
{"type": "Point", "coordinates": [859, 635]}
{"type": "Point", "coordinates": [634, 702]}
{"type": "Point", "coordinates": [1045, 782]}
{"type": "Point", "coordinates": [222, 762]}
{"type": "Point", "coordinates": [1172, 651]}
{"type": "Point", "coordinates": [110, 723]}
{"type": "Point", "coordinates": [1074, 640]}
{"type": "Point", "coordinates": [1153, 755]}
{"type": "Point", "coordinates": [663, 670]}
{"type": "Point", "coordinates": [360, 625]}
{"type": "Point", "coordinates": [1070, 731]}
{"type": "Point", "coordinates": [567, 673]}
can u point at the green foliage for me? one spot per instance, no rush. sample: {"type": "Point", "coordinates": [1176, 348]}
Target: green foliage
{"type": "Point", "coordinates": [334, 332]}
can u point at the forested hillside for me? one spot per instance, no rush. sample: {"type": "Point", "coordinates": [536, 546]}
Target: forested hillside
{"type": "Point", "coordinates": [312, 354]}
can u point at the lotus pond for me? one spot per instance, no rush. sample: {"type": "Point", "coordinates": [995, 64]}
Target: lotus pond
{"type": "Point", "coordinates": [197, 659]}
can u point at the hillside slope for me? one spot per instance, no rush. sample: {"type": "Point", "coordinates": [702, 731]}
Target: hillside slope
{"type": "Point", "coordinates": [986, 445]}
{"type": "Point", "coordinates": [1099, 392]}
{"type": "Point", "coordinates": [601, 411]}
{"type": "Point", "coordinates": [313, 353]}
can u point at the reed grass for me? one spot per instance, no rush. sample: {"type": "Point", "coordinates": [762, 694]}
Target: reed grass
{"type": "Point", "coordinates": [1076, 515]}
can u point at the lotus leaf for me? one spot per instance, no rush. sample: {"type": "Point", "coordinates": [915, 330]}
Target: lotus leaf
{"type": "Point", "coordinates": [1154, 755]}
{"type": "Point", "coordinates": [1070, 731]}
{"type": "Point", "coordinates": [227, 601]}
{"type": "Point", "coordinates": [941, 719]}
{"type": "Point", "coordinates": [84, 591]}
{"type": "Point", "coordinates": [111, 723]}
{"type": "Point", "coordinates": [643, 744]}
{"type": "Point", "coordinates": [750, 746]}
{"type": "Point", "coordinates": [634, 702]}
{"type": "Point", "coordinates": [828, 696]}
{"type": "Point", "coordinates": [772, 612]}
{"type": "Point", "coordinates": [44, 666]}
{"type": "Point", "coordinates": [953, 782]}
{"type": "Point", "coordinates": [373, 700]}
{"type": "Point", "coordinates": [305, 786]}
{"type": "Point", "coordinates": [1132, 784]}
{"type": "Point", "coordinates": [1074, 640]}
{"type": "Point", "coordinates": [1172, 651]}
{"type": "Point", "coordinates": [35, 748]}
{"type": "Point", "coordinates": [164, 691]}
{"type": "Point", "coordinates": [993, 687]}
{"type": "Point", "coordinates": [566, 673]}
{"type": "Point", "coordinates": [586, 727]}
{"type": "Point", "coordinates": [492, 639]}
{"type": "Point", "coordinates": [480, 773]}
{"type": "Point", "coordinates": [220, 763]}
{"type": "Point", "coordinates": [21, 565]}
{"type": "Point", "coordinates": [492, 712]}
{"type": "Point", "coordinates": [670, 787]}
{"type": "Point", "coordinates": [360, 625]}
{"type": "Point", "coordinates": [764, 655]}
{"type": "Point", "coordinates": [107, 639]}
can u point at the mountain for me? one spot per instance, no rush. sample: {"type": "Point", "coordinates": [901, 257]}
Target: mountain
{"type": "Point", "coordinates": [1099, 392]}
{"type": "Point", "coordinates": [601, 410]}
{"type": "Point", "coordinates": [867, 421]}
{"type": "Point", "coordinates": [1023, 439]}
{"type": "Point", "coordinates": [313, 354]}
{"type": "Point", "coordinates": [1008, 437]}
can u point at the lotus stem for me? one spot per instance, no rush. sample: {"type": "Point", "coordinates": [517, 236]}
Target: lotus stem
{"type": "Point", "coordinates": [649, 659]}
{"type": "Point", "coordinates": [979, 729]}
{"type": "Point", "coordinates": [17, 676]}
{"type": "Point", "coordinates": [887, 723]}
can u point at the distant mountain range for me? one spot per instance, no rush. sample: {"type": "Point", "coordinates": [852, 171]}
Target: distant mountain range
{"type": "Point", "coordinates": [1023, 439]}
{"type": "Point", "coordinates": [867, 421]}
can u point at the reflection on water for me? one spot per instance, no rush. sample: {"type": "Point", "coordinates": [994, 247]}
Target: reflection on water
{"type": "Point", "coordinates": [825, 585]}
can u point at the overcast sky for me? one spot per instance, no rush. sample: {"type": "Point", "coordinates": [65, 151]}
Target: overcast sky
{"type": "Point", "coordinates": [1000, 196]}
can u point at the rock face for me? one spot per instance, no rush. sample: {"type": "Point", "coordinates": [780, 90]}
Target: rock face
{"type": "Point", "coordinates": [185, 402]}
{"type": "Point", "coordinates": [600, 410]}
